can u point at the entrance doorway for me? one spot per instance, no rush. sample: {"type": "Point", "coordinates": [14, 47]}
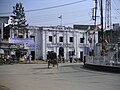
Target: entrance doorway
{"type": "Point", "coordinates": [81, 55]}
{"type": "Point", "coordinates": [61, 51]}
{"type": "Point", "coordinates": [33, 55]}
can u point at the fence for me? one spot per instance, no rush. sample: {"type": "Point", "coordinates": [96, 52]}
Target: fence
{"type": "Point", "coordinates": [111, 56]}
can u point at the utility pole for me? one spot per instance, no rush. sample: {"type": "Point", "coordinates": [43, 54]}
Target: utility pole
{"type": "Point", "coordinates": [95, 11]}
{"type": "Point", "coordinates": [101, 12]}
{"type": "Point", "coordinates": [95, 22]}
{"type": "Point", "coordinates": [94, 18]}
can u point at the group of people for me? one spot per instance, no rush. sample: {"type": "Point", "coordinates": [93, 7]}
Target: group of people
{"type": "Point", "coordinates": [6, 59]}
{"type": "Point", "coordinates": [72, 59]}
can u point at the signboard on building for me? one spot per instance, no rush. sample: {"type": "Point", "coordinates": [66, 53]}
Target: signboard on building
{"type": "Point", "coordinates": [28, 43]}
{"type": "Point", "coordinates": [21, 40]}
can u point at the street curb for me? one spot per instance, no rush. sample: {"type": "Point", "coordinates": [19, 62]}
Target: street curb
{"type": "Point", "coordinates": [114, 69]}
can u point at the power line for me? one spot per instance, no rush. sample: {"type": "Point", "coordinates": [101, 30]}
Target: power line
{"type": "Point", "coordinates": [49, 7]}
{"type": "Point", "coordinates": [56, 6]}
{"type": "Point", "coordinates": [70, 13]}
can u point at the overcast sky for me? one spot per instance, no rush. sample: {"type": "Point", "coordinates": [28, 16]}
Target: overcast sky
{"type": "Point", "coordinates": [79, 13]}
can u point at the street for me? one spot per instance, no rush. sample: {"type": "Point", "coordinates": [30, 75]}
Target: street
{"type": "Point", "coordinates": [68, 76]}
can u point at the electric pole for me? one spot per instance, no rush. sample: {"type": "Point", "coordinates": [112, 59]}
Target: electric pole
{"type": "Point", "coordinates": [101, 12]}
{"type": "Point", "coordinates": [95, 22]}
{"type": "Point", "coordinates": [94, 18]}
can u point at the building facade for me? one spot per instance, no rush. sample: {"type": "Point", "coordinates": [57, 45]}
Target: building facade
{"type": "Point", "coordinates": [65, 41]}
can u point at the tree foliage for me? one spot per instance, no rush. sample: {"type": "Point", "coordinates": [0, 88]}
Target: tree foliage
{"type": "Point", "coordinates": [18, 19]}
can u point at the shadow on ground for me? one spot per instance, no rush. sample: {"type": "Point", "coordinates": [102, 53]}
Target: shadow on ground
{"type": "Point", "coordinates": [81, 68]}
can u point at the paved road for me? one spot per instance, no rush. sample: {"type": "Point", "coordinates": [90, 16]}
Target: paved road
{"type": "Point", "coordinates": [66, 77]}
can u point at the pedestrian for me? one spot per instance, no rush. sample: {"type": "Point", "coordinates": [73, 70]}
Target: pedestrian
{"type": "Point", "coordinates": [63, 59]}
{"type": "Point", "coordinates": [8, 58]}
{"type": "Point", "coordinates": [25, 58]}
{"type": "Point", "coordinates": [70, 59]}
{"type": "Point", "coordinates": [73, 58]}
{"type": "Point", "coordinates": [30, 58]}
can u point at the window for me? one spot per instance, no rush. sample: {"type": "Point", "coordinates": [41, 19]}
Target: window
{"type": "Point", "coordinates": [60, 39]}
{"type": "Point", "coordinates": [81, 40]}
{"type": "Point", "coordinates": [71, 39]}
{"type": "Point", "coordinates": [50, 38]}
{"type": "Point", "coordinates": [33, 37]}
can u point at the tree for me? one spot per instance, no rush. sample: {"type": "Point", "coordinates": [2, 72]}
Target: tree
{"type": "Point", "coordinates": [18, 20]}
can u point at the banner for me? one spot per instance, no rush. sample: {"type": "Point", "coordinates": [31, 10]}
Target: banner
{"type": "Point", "coordinates": [21, 40]}
{"type": "Point", "coordinates": [28, 43]}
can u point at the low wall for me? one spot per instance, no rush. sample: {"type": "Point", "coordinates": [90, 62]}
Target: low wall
{"type": "Point", "coordinates": [115, 69]}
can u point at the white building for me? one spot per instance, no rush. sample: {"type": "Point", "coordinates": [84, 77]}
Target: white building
{"type": "Point", "coordinates": [64, 41]}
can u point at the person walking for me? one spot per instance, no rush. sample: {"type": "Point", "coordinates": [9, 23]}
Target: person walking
{"type": "Point", "coordinates": [8, 59]}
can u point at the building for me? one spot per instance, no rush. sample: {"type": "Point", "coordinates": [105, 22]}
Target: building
{"type": "Point", "coordinates": [65, 41]}
{"type": "Point", "coordinates": [3, 20]}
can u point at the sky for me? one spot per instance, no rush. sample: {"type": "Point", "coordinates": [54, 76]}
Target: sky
{"type": "Point", "coordinates": [79, 13]}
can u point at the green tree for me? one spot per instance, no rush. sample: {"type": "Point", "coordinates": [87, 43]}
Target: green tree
{"type": "Point", "coordinates": [18, 20]}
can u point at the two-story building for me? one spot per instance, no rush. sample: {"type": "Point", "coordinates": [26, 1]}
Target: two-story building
{"type": "Point", "coordinates": [65, 41]}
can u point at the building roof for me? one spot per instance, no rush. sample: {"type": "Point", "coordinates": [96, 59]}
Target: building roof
{"type": "Point", "coordinates": [84, 27]}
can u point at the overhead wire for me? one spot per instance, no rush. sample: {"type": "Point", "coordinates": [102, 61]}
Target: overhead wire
{"type": "Point", "coordinates": [52, 7]}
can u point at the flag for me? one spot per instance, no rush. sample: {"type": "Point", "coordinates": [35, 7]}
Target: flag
{"type": "Point", "coordinates": [96, 28]}
{"type": "Point", "coordinates": [60, 17]}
